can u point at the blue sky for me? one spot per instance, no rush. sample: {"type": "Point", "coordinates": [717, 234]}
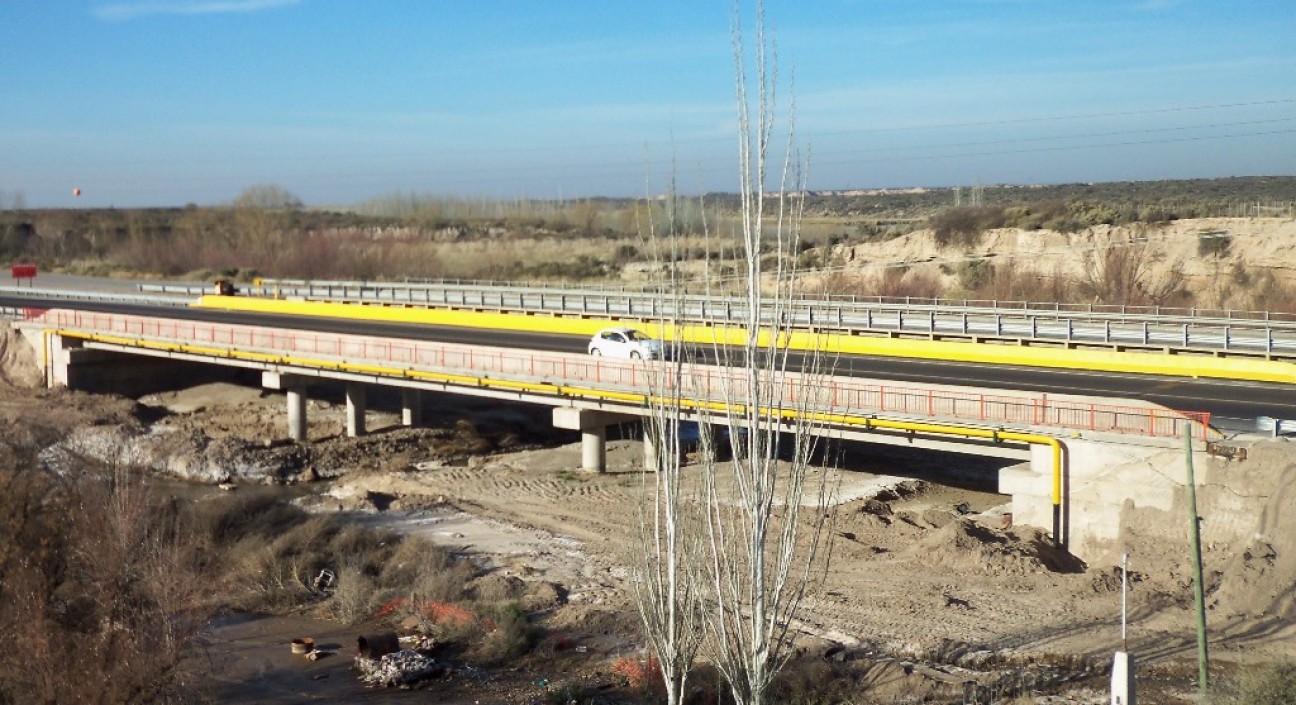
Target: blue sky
{"type": "Point", "coordinates": [167, 102]}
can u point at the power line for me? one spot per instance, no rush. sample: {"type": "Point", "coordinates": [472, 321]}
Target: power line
{"type": "Point", "coordinates": [1060, 148]}
{"type": "Point", "coordinates": [1116, 133]}
{"type": "Point", "coordinates": [1062, 118]}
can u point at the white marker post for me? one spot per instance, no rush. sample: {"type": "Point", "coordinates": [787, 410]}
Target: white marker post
{"type": "Point", "coordinates": [1122, 676]}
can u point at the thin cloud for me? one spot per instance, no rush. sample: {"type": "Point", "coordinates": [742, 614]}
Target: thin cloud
{"type": "Point", "coordinates": [117, 12]}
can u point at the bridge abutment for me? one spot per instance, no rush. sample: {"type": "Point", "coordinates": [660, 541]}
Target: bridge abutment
{"type": "Point", "coordinates": [1103, 480]}
{"type": "Point", "coordinates": [65, 363]}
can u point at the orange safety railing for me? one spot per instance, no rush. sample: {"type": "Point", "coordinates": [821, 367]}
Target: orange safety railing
{"type": "Point", "coordinates": [845, 395]}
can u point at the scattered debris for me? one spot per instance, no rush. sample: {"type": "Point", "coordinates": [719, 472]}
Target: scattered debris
{"type": "Point", "coordinates": [325, 580]}
{"type": "Point", "coordinates": [951, 601]}
{"type": "Point", "coordinates": [400, 669]}
{"type": "Point", "coordinates": [303, 645]}
{"type": "Point", "coordinates": [1228, 452]}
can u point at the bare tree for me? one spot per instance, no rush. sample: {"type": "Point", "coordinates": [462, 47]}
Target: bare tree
{"type": "Point", "coordinates": [764, 561]}
{"type": "Point", "coordinates": [761, 557]}
{"type": "Point", "coordinates": [1124, 273]}
{"type": "Point", "coordinates": [670, 548]}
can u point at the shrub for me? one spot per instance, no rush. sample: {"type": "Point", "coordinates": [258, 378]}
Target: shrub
{"type": "Point", "coordinates": [100, 598]}
{"type": "Point", "coordinates": [901, 282]}
{"type": "Point", "coordinates": [964, 225]}
{"type": "Point", "coordinates": [975, 274]}
{"type": "Point", "coordinates": [1273, 684]}
{"type": "Point", "coordinates": [354, 595]}
{"type": "Point", "coordinates": [513, 635]}
{"type": "Point", "coordinates": [426, 570]}
{"type": "Point", "coordinates": [228, 520]}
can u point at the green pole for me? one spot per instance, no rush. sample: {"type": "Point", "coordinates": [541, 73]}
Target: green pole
{"type": "Point", "coordinates": [1199, 597]}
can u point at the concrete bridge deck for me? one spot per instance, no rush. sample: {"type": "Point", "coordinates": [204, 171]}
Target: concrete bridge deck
{"type": "Point", "coordinates": [1067, 440]}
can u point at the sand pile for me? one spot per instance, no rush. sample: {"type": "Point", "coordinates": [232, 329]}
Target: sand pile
{"type": "Point", "coordinates": [964, 545]}
{"type": "Point", "coordinates": [1260, 579]}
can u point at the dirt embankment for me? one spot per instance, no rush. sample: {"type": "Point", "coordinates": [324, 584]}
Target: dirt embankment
{"type": "Point", "coordinates": [1241, 270]}
{"type": "Point", "coordinates": [18, 366]}
{"type": "Point", "coordinates": [917, 566]}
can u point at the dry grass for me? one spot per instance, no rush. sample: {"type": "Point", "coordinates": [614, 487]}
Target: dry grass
{"type": "Point", "coordinates": [94, 567]}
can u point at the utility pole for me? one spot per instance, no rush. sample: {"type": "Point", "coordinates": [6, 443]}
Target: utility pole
{"type": "Point", "coordinates": [1199, 595]}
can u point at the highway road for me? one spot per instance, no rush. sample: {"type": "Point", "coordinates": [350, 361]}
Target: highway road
{"type": "Point", "coordinates": [1233, 405]}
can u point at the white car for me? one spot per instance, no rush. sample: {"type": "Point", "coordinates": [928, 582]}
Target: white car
{"type": "Point", "coordinates": [625, 343]}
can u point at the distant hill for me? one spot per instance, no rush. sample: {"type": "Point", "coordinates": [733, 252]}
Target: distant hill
{"type": "Point", "coordinates": [420, 236]}
{"type": "Point", "coordinates": [1187, 198]}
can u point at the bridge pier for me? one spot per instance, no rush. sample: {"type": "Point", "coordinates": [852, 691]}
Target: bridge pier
{"type": "Point", "coordinates": [650, 456]}
{"type": "Point", "coordinates": [295, 389]}
{"type": "Point", "coordinates": [411, 407]}
{"type": "Point", "coordinates": [593, 427]}
{"type": "Point", "coordinates": [356, 401]}
{"type": "Point", "coordinates": [296, 411]}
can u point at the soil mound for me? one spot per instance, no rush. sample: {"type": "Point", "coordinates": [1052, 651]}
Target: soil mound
{"type": "Point", "coordinates": [1261, 578]}
{"type": "Point", "coordinates": [966, 546]}
{"type": "Point", "coordinates": [17, 359]}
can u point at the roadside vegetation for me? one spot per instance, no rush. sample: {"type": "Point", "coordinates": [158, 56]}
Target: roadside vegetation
{"type": "Point", "coordinates": [96, 563]}
{"type": "Point", "coordinates": [267, 231]}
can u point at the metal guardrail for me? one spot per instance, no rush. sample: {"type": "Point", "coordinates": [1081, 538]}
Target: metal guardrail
{"type": "Point", "coordinates": [57, 296]}
{"type": "Point", "coordinates": [1275, 427]}
{"type": "Point", "coordinates": [1238, 335]}
{"type": "Point", "coordinates": [1003, 305]}
{"type": "Point", "coordinates": [840, 395]}
{"type": "Point", "coordinates": [178, 289]}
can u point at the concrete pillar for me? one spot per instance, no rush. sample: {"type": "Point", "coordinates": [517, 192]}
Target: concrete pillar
{"type": "Point", "coordinates": [411, 407]}
{"type": "Point", "coordinates": [355, 415]}
{"type": "Point", "coordinates": [594, 448]}
{"type": "Point", "coordinates": [593, 427]}
{"type": "Point", "coordinates": [650, 449]}
{"type": "Point", "coordinates": [296, 411]}
{"type": "Point", "coordinates": [295, 387]}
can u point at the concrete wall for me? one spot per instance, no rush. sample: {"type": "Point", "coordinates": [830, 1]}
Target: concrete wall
{"type": "Point", "coordinates": [1105, 482]}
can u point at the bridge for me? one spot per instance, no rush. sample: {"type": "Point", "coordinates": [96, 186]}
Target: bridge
{"type": "Point", "coordinates": [1084, 458]}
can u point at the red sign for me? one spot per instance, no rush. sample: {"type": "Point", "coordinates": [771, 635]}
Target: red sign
{"type": "Point", "coordinates": [24, 271]}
